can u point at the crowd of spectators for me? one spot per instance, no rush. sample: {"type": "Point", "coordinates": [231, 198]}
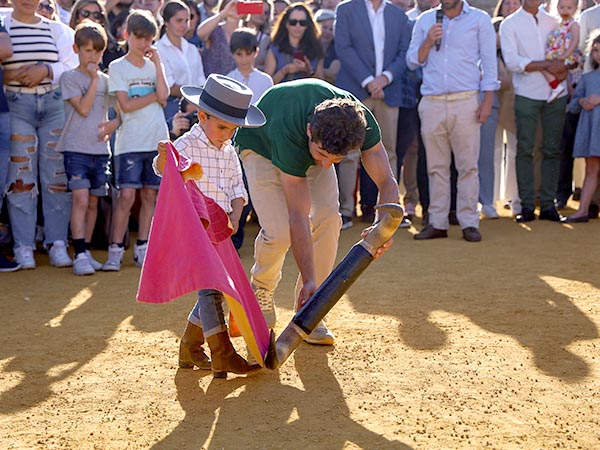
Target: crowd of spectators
{"type": "Point", "coordinates": [486, 80]}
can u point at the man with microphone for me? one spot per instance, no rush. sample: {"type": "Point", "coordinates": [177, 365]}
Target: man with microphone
{"type": "Point", "coordinates": [455, 45]}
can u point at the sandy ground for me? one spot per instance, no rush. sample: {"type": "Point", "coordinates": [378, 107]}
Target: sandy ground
{"type": "Point", "coordinates": [440, 345]}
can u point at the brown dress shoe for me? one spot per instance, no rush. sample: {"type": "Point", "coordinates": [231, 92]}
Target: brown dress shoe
{"type": "Point", "coordinates": [471, 234]}
{"type": "Point", "coordinates": [430, 233]}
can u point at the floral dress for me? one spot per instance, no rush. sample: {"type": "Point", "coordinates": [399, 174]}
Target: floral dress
{"type": "Point", "coordinates": [559, 40]}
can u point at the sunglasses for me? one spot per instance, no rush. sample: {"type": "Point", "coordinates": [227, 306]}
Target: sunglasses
{"type": "Point", "coordinates": [47, 7]}
{"type": "Point", "coordinates": [294, 22]}
{"type": "Point", "coordinates": [97, 15]}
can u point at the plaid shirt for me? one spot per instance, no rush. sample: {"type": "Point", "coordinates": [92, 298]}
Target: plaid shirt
{"type": "Point", "coordinates": [222, 180]}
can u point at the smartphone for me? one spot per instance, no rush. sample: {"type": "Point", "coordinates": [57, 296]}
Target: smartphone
{"type": "Point", "coordinates": [298, 54]}
{"type": "Point", "coordinates": [244, 8]}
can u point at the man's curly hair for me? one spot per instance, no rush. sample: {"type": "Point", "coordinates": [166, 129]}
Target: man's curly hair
{"type": "Point", "coordinates": [338, 125]}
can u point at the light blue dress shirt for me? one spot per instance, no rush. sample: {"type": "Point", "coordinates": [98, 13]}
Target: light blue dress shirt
{"type": "Point", "coordinates": [466, 60]}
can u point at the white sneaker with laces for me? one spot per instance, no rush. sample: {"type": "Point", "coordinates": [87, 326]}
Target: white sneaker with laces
{"type": "Point", "coordinates": [115, 258]}
{"type": "Point", "coordinates": [24, 257]}
{"type": "Point", "coordinates": [320, 335]}
{"type": "Point", "coordinates": [82, 265]}
{"type": "Point", "coordinates": [59, 256]}
{"type": "Point", "coordinates": [139, 253]}
{"type": "Point", "coordinates": [554, 94]}
{"type": "Point", "coordinates": [267, 305]}
{"type": "Point", "coordinates": [97, 265]}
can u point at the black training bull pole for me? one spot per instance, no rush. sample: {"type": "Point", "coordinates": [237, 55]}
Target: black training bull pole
{"type": "Point", "coordinates": [337, 283]}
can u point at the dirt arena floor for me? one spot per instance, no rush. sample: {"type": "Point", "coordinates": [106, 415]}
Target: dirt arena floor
{"type": "Point", "coordinates": [440, 345]}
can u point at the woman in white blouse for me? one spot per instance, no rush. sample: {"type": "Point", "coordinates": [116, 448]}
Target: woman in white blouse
{"type": "Point", "coordinates": [181, 59]}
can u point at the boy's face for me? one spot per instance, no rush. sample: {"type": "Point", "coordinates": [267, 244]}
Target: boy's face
{"type": "Point", "coordinates": [217, 130]}
{"type": "Point", "coordinates": [137, 45]}
{"type": "Point", "coordinates": [244, 59]}
{"type": "Point", "coordinates": [88, 54]}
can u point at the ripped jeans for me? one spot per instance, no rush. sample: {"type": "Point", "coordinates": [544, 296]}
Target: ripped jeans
{"type": "Point", "coordinates": [36, 124]}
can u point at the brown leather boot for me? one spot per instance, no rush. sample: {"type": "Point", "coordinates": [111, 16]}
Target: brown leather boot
{"type": "Point", "coordinates": [225, 359]}
{"type": "Point", "coordinates": [190, 349]}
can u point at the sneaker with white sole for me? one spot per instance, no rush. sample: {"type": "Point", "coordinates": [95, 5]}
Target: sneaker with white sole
{"type": "Point", "coordinates": [82, 266]}
{"type": "Point", "coordinates": [59, 256]}
{"type": "Point", "coordinates": [139, 253]}
{"type": "Point", "coordinates": [347, 222]}
{"type": "Point", "coordinates": [97, 265]}
{"type": "Point", "coordinates": [7, 265]}
{"type": "Point", "coordinates": [115, 258]}
{"type": "Point", "coordinates": [267, 305]}
{"type": "Point", "coordinates": [320, 335]}
{"type": "Point", "coordinates": [406, 222]}
{"type": "Point", "coordinates": [24, 257]}
{"type": "Point", "coordinates": [555, 93]}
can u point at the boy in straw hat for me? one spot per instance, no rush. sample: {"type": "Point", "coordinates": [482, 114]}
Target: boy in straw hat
{"type": "Point", "coordinates": [224, 106]}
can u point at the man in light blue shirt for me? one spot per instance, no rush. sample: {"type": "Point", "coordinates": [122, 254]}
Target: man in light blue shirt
{"type": "Point", "coordinates": [458, 58]}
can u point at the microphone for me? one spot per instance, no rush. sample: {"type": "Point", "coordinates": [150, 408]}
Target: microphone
{"type": "Point", "coordinates": [439, 16]}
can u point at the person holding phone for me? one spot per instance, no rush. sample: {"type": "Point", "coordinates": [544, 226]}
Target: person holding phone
{"type": "Point", "coordinates": [295, 51]}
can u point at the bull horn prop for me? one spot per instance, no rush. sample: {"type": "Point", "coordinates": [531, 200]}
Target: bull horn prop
{"type": "Point", "coordinates": [337, 283]}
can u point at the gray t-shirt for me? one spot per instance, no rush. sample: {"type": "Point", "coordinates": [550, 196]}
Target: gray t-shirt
{"type": "Point", "coordinates": [80, 134]}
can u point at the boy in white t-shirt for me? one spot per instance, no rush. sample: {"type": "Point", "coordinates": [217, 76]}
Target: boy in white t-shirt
{"type": "Point", "coordinates": [138, 81]}
{"type": "Point", "coordinates": [85, 92]}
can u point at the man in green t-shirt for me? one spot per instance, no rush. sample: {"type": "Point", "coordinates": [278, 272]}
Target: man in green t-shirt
{"type": "Point", "coordinates": [289, 165]}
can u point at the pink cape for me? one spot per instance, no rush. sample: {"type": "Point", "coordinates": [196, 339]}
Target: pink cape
{"type": "Point", "coordinates": [189, 249]}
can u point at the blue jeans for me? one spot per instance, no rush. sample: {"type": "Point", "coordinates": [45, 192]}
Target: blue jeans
{"type": "Point", "coordinates": [486, 155]}
{"type": "Point", "coordinates": [87, 172]}
{"type": "Point", "coordinates": [208, 312]}
{"type": "Point", "coordinates": [36, 123]}
{"type": "Point", "coordinates": [134, 170]}
{"type": "Point", "coordinates": [4, 152]}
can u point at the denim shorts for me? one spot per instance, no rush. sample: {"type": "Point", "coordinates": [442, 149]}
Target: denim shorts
{"type": "Point", "coordinates": [134, 170]}
{"type": "Point", "coordinates": [87, 172]}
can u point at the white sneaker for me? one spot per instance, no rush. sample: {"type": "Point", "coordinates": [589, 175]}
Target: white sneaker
{"type": "Point", "coordinates": [96, 265]}
{"type": "Point", "coordinates": [59, 256]}
{"type": "Point", "coordinates": [489, 212]}
{"type": "Point", "coordinates": [267, 305]}
{"type": "Point", "coordinates": [320, 335]}
{"type": "Point", "coordinates": [115, 258]}
{"type": "Point", "coordinates": [82, 266]}
{"type": "Point", "coordinates": [139, 253]}
{"type": "Point", "coordinates": [24, 257]}
{"type": "Point", "coordinates": [555, 93]}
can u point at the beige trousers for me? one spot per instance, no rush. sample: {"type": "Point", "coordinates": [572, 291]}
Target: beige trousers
{"type": "Point", "coordinates": [273, 240]}
{"type": "Point", "coordinates": [387, 117]}
{"type": "Point", "coordinates": [451, 127]}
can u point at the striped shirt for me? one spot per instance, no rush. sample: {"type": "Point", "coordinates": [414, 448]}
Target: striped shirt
{"type": "Point", "coordinates": [32, 43]}
{"type": "Point", "coordinates": [222, 180]}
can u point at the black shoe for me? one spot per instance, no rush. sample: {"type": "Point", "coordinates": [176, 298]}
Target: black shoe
{"type": "Point", "coordinates": [430, 233]}
{"type": "Point", "coordinates": [7, 265]}
{"type": "Point", "coordinates": [526, 215]}
{"type": "Point", "coordinates": [577, 194]}
{"type": "Point", "coordinates": [471, 234]}
{"type": "Point", "coordinates": [593, 211]}
{"type": "Point", "coordinates": [552, 215]}
{"type": "Point", "coordinates": [452, 219]}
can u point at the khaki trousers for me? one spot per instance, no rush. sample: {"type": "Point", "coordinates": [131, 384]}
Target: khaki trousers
{"type": "Point", "coordinates": [387, 117]}
{"type": "Point", "coordinates": [451, 127]}
{"type": "Point", "coordinates": [273, 240]}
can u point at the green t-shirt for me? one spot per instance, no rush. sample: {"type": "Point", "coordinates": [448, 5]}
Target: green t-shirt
{"type": "Point", "coordinates": [288, 108]}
